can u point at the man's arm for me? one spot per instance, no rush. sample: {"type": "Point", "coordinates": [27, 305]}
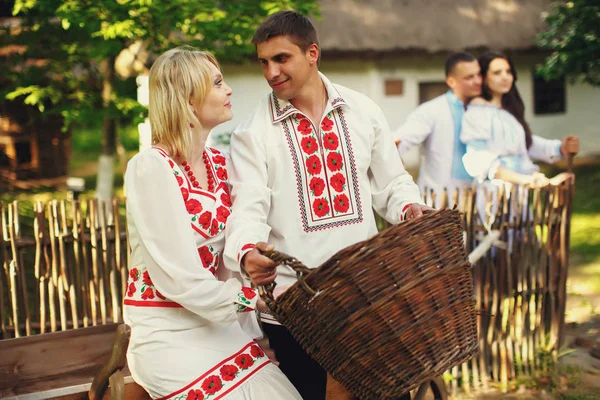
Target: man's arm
{"type": "Point", "coordinates": [251, 199]}
{"type": "Point", "coordinates": [393, 189]}
{"type": "Point", "coordinates": [550, 150]}
{"type": "Point", "coordinates": [414, 131]}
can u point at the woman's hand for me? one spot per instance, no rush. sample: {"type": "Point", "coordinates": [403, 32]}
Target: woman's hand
{"type": "Point", "coordinates": [538, 180]}
{"type": "Point", "coordinates": [569, 145]}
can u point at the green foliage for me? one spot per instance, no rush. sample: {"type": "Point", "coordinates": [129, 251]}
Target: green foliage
{"type": "Point", "coordinates": [573, 36]}
{"type": "Point", "coordinates": [61, 46]}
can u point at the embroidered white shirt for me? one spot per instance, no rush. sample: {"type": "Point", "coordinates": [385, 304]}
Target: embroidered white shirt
{"type": "Point", "coordinates": [309, 187]}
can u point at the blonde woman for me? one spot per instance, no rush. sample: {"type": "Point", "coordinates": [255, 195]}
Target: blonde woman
{"type": "Point", "coordinates": [186, 340]}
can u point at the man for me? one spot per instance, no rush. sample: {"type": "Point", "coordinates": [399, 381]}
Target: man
{"type": "Point", "coordinates": [438, 122]}
{"type": "Point", "coordinates": [307, 168]}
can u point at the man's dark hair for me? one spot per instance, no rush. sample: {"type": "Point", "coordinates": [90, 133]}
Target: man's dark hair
{"type": "Point", "coordinates": [456, 58]}
{"type": "Point", "coordinates": [291, 23]}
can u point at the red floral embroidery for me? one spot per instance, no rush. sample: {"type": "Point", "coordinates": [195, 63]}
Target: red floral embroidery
{"type": "Point", "coordinates": [212, 384]}
{"type": "Point", "coordinates": [134, 274]}
{"type": "Point", "coordinates": [219, 160]}
{"type": "Point", "coordinates": [171, 164]}
{"type": "Point", "coordinates": [148, 293]}
{"type": "Point", "coordinates": [334, 161]}
{"type": "Point", "coordinates": [205, 219]}
{"type": "Point", "coordinates": [244, 361]}
{"type": "Point", "coordinates": [214, 227]}
{"type": "Point", "coordinates": [222, 173]}
{"type": "Point", "coordinates": [326, 124]}
{"type": "Point", "coordinates": [313, 165]}
{"type": "Point", "coordinates": [193, 206]}
{"type": "Point", "coordinates": [195, 395]}
{"type": "Point", "coordinates": [131, 290]}
{"type": "Point", "coordinates": [205, 256]}
{"type": "Point", "coordinates": [256, 351]}
{"type": "Point", "coordinates": [309, 145]}
{"type": "Point", "coordinates": [321, 207]}
{"type": "Point", "coordinates": [249, 293]}
{"type": "Point", "coordinates": [179, 180]}
{"type": "Point", "coordinates": [146, 279]}
{"type": "Point", "coordinates": [228, 372]}
{"type": "Point", "coordinates": [340, 203]}
{"type": "Point", "coordinates": [317, 185]}
{"type": "Point", "coordinates": [222, 214]}
{"type": "Point", "coordinates": [337, 182]}
{"type": "Point", "coordinates": [185, 193]}
{"type": "Point", "coordinates": [226, 199]}
{"type": "Point", "coordinates": [213, 271]}
{"type": "Point", "coordinates": [305, 127]}
{"type": "Point", "coordinates": [331, 141]}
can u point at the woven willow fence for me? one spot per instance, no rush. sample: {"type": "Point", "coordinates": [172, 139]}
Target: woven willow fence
{"type": "Point", "coordinates": [64, 266]}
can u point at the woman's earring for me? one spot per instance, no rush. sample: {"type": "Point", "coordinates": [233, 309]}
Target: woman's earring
{"type": "Point", "coordinates": [191, 125]}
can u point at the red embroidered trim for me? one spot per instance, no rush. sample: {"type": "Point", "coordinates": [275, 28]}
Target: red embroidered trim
{"type": "Point", "coordinates": [142, 303]}
{"type": "Point", "coordinates": [212, 370]}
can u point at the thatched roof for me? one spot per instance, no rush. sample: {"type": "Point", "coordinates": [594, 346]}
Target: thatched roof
{"type": "Point", "coordinates": [385, 26]}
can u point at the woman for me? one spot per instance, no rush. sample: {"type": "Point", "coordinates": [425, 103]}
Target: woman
{"type": "Point", "coordinates": [186, 340]}
{"type": "Point", "coordinates": [494, 129]}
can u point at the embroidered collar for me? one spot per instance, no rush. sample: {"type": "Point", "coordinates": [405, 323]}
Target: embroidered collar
{"type": "Point", "coordinates": [281, 109]}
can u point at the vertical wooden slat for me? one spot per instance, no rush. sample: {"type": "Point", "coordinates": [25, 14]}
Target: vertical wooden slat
{"type": "Point", "coordinates": [94, 278]}
{"type": "Point", "coordinates": [103, 268]}
{"type": "Point", "coordinates": [17, 271]}
{"type": "Point", "coordinates": [4, 272]}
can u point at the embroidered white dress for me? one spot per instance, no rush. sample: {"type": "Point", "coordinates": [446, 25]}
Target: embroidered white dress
{"type": "Point", "coordinates": [186, 340]}
{"type": "Point", "coordinates": [309, 187]}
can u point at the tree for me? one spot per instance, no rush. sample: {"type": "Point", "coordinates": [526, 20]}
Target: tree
{"type": "Point", "coordinates": [573, 36]}
{"type": "Point", "coordinates": [66, 51]}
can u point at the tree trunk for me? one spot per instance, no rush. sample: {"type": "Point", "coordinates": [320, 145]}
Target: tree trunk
{"type": "Point", "coordinates": [105, 182]}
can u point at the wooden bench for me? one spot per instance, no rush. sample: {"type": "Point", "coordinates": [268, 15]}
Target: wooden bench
{"type": "Point", "coordinates": [69, 365]}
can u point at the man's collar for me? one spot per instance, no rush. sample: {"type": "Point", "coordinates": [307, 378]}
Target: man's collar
{"type": "Point", "coordinates": [281, 109]}
{"type": "Point", "coordinates": [454, 99]}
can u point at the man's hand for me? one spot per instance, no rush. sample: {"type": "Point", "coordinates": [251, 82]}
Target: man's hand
{"type": "Point", "coordinates": [416, 210]}
{"type": "Point", "coordinates": [261, 269]}
{"type": "Point", "coordinates": [570, 145]}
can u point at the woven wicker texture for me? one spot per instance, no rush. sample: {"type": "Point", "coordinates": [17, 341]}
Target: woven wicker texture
{"type": "Point", "coordinates": [389, 313]}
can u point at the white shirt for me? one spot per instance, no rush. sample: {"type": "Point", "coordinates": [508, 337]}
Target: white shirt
{"type": "Point", "coordinates": [310, 189]}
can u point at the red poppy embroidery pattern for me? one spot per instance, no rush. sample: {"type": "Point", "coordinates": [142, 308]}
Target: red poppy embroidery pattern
{"type": "Point", "coordinates": [201, 204]}
{"type": "Point", "coordinates": [209, 258]}
{"type": "Point", "coordinates": [212, 384]}
{"type": "Point", "coordinates": [147, 290]}
{"type": "Point", "coordinates": [326, 174]}
{"type": "Point", "coordinates": [244, 303]}
{"type": "Point", "coordinates": [225, 376]}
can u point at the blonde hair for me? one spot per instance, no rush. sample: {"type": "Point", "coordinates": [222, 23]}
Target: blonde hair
{"type": "Point", "coordinates": [176, 77]}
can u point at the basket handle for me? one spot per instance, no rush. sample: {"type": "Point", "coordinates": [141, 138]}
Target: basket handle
{"type": "Point", "coordinates": [266, 291]}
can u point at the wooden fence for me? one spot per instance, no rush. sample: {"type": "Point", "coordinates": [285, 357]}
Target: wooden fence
{"type": "Point", "coordinates": [67, 269]}
{"type": "Point", "coordinates": [64, 266]}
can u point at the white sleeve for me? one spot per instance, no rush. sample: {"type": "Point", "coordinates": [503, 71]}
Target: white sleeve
{"type": "Point", "coordinates": [546, 150]}
{"type": "Point", "coordinates": [475, 133]}
{"type": "Point", "coordinates": [251, 195]}
{"type": "Point", "coordinates": [414, 131]}
{"type": "Point", "coordinates": [392, 188]}
{"type": "Point", "coordinates": [157, 210]}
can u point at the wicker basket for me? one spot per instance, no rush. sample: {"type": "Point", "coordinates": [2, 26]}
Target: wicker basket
{"type": "Point", "coordinates": [387, 314]}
